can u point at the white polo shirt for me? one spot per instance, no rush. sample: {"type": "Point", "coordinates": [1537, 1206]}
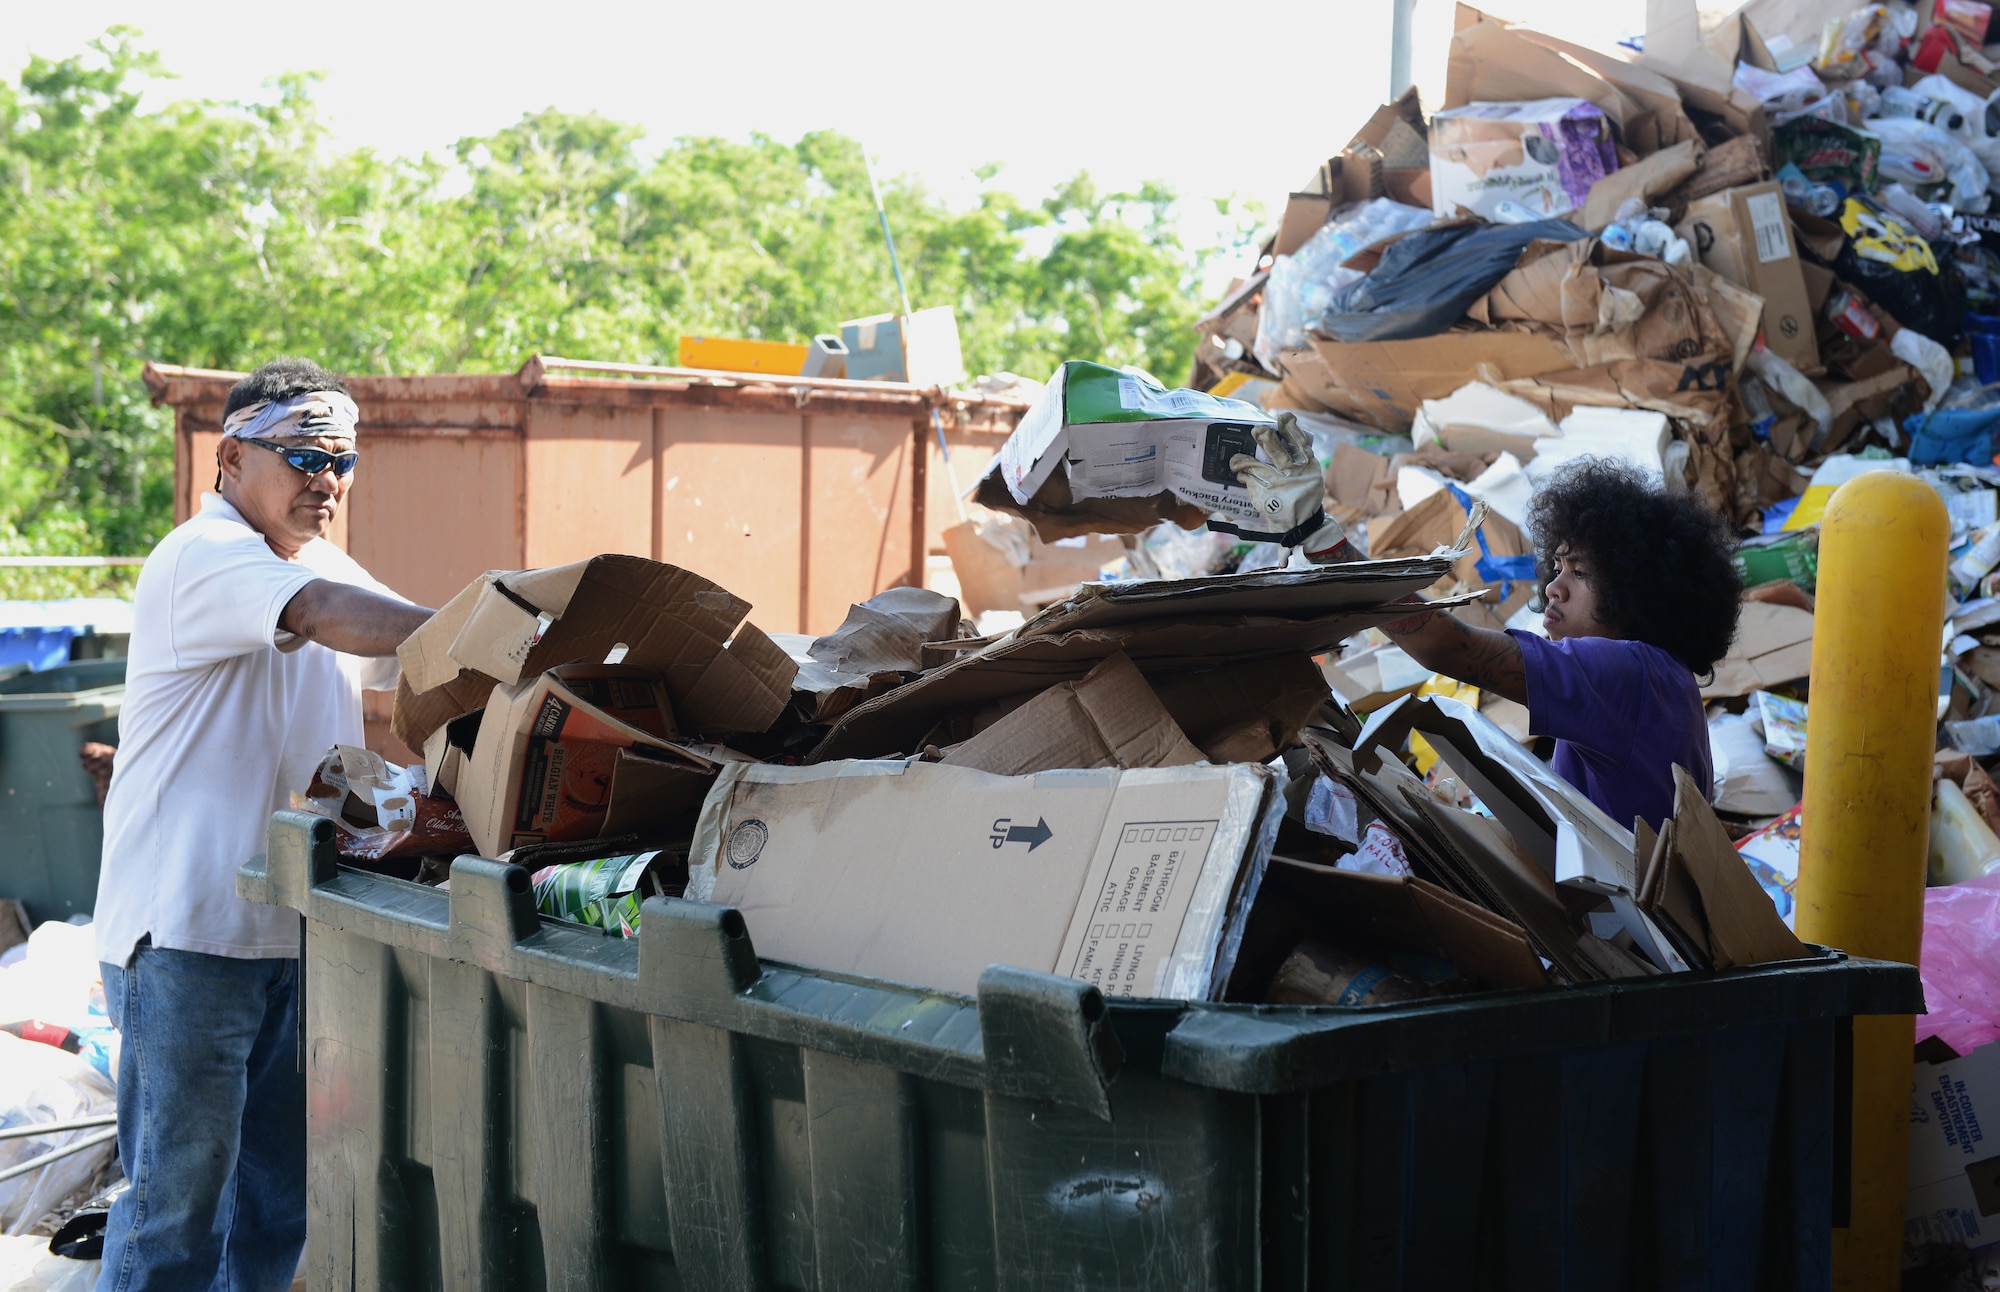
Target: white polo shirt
{"type": "Point", "coordinates": [224, 717]}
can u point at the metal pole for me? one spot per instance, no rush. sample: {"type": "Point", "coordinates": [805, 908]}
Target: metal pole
{"type": "Point", "coordinates": [1866, 823]}
{"type": "Point", "coordinates": [1399, 47]}
{"type": "Point", "coordinates": [50, 1128]}
{"type": "Point", "coordinates": [55, 1155]}
{"type": "Point", "coordinates": [888, 237]}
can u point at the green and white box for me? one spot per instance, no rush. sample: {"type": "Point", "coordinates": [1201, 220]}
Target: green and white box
{"type": "Point", "coordinates": [1119, 434]}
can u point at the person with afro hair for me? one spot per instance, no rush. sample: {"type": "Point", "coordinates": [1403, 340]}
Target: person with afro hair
{"type": "Point", "coordinates": [1641, 599]}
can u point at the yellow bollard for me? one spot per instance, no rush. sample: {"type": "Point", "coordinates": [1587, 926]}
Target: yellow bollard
{"type": "Point", "coordinates": [1873, 726]}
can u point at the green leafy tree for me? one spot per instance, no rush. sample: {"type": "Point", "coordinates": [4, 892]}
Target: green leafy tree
{"type": "Point", "coordinates": [219, 234]}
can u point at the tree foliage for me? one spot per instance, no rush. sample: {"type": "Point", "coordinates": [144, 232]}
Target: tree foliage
{"type": "Point", "coordinates": [219, 234]}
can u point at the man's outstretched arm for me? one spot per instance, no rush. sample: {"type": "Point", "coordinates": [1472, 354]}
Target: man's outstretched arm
{"type": "Point", "coordinates": [351, 620]}
{"type": "Point", "coordinates": [1444, 644]}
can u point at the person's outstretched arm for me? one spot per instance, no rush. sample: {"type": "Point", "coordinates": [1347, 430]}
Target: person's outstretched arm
{"type": "Point", "coordinates": [1444, 644]}
{"type": "Point", "coordinates": [354, 621]}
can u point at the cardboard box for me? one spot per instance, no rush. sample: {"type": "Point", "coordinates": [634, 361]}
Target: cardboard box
{"type": "Point", "coordinates": [1136, 882]}
{"type": "Point", "coordinates": [1745, 235]}
{"type": "Point", "coordinates": [567, 754]}
{"type": "Point", "coordinates": [722, 674]}
{"type": "Point", "coordinates": [1954, 1167]}
{"type": "Point", "coordinates": [920, 348]}
{"type": "Point", "coordinates": [1543, 155]}
{"type": "Point", "coordinates": [1003, 564]}
{"type": "Point", "coordinates": [1117, 435]}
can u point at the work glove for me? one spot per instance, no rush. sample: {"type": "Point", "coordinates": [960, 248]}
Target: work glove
{"type": "Point", "coordinates": [1289, 491]}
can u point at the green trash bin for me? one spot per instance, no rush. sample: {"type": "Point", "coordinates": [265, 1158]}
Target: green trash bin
{"type": "Point", "coordinates": [49, 818]}
{"type": "Point", "coordinates": [497, 1101]}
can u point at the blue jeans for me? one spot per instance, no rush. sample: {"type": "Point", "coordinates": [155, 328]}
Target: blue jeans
{"type": "Point", "coordinates": [211, 1124]}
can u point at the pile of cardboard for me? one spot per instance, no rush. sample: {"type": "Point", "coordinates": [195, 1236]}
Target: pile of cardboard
{"type": "Point", "coordinates": [1100, 793]}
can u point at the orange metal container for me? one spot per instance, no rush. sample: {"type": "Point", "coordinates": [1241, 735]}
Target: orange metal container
{"type": "Point", "coordinates": [800, 495]}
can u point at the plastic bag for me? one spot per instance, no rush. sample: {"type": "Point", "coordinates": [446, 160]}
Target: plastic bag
{"type": "Point", "coordinates": [1300, 285]}
{"type": "Point", "coordinates": [40, 1084]}
{"type": "Point", "coordinates": [1960, 972]}
{"type": "Point", "coordinates": [1845, 42]}
{"type": "Point", "coordinates": [1930, 359]}
{"type": "Point", "coordinates": [1783, 94]}
{"type": "Point", "coordinates": [1952, 435]}
{"type": "Point", "coordinates": [1917, 152]}
{"type": "Point", "coordinates": [1898, 270]}
{"type": "Point", "coordinates": [1426, 282]}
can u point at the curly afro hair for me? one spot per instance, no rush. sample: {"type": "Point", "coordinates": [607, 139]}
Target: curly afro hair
{"type": "Point", "coordinates": [1659, 562]}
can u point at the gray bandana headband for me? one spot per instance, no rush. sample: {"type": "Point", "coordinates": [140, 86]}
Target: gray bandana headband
{"type": "Point", "coordinates": [319, 412]}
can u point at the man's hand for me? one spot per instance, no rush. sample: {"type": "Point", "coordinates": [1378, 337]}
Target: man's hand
{"type": "Point", "coordinates": [1290, 489]}
{"type": "Point", "coordinates": [1443, 644]}
{"type": "Point", "coordinates": [354, 621]}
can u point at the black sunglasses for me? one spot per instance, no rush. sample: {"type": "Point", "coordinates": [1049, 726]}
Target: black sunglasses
{"type": "Point", "coordinates": [312, 461]}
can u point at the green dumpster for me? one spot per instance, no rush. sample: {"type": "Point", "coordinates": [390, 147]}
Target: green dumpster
{"type": "Point", "coordinates": [498, 1100]}
{"type": "Point", "coordinates": [49, 818]}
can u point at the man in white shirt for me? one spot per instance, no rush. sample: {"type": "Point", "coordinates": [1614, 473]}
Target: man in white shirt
{"type": "Point", "coordinates": [252, 640]}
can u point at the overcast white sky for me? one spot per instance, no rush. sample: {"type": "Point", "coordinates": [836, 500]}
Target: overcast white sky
{"type": "Point", "coordinates": [1215, 99]}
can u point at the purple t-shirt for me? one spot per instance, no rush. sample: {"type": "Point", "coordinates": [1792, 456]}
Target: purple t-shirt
{"type": "Point", "coordinates": [1622, 714]}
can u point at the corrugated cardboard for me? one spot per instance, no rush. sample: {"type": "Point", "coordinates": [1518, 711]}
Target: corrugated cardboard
{"type": "Point", "coordinates": [1167, 627]}
{"type": "Point", "coordinates": [1305, 213]}
{"type": "Point", "coordinates": [1379, 916]}
{"type": "Point", "coordinates": [1002, 564]}
{"type": "Point", "coordinates": [1135, 881]}
{"type": "Point", "coordinates": [553, 758]}
{"type": "Point", "coordinates": [1773, 646]}
{"type": "Point", "coordinates": [1954, 1198]}
{"type": "Point", "coordinates": [1706, 895]}
{"type": "Point", "coordinates": [1466, 854]}
{"type": "Point", "coordinates": [448, 749]}
{"type": "Point", "coordinates": [1109, 717]}
{"type": "Point", "coordinates": [722, 674]}
{"type": "Point", "coordinates": [1383, 382]}
{"type": "Point", "coordinates": [1608, 306]}
{"type": "Point", "coordinates": [1491, 60]}
{"type": "Point", "coordinates": [1246, 711]}
{"type": "Point", "coordinates": [1745, 235]}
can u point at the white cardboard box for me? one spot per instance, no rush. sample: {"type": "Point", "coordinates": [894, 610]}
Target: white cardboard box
{"type": "Point", "coordinates": [1954, 1160]}
{"type": "Point", "coordinates": [1134, 881]}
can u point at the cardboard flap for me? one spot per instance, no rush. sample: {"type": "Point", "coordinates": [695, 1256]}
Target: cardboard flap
{"type": "Point", "coordinates": [1491, 64]}
{"type": "Point", "coordinates": [650, 792]}
{"type": "Point", "coordinates": [1773, 645]}
{"type": "Point", "coordinates": [1382, 915]}
{"type": "Point", "coordinates": [426, 653]}
{"type": "Point", "coordinates": [511, 626]}
{"type": "Point", "coordinates": [416, 716]}
{"type": "Point", "coordinates": [1247, 711]}
{"type": "Point", "coordinates": [1743, 926]}
{"type": "Point", "coordinates": [1109, 717]}
{"type": "Point", "coordinates": [1520, 888]}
